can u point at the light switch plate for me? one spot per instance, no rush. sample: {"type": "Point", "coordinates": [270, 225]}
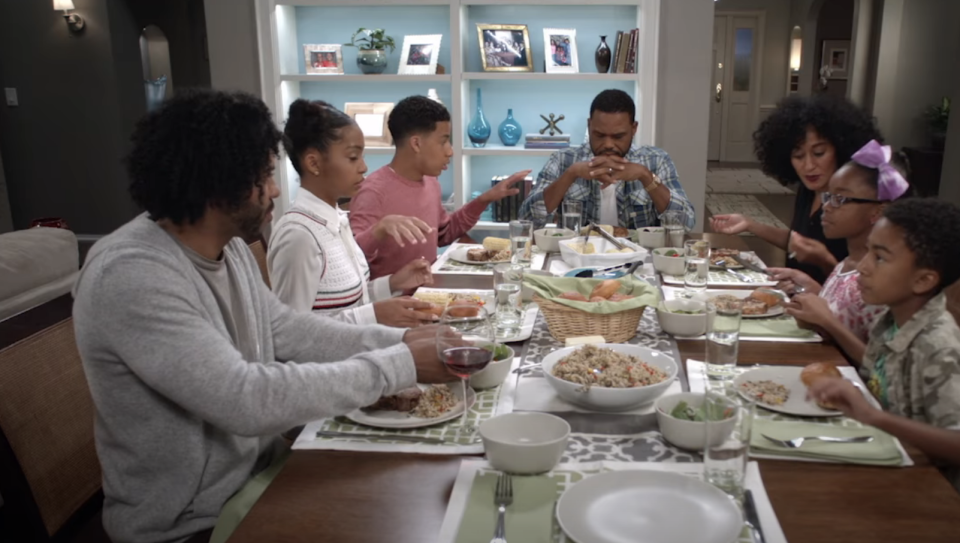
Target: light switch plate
{"type": "Point", "coordinates": [11, 95]}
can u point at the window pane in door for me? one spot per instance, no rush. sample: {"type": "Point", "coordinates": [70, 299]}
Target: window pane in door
{"type": "Point", "coordinates": [742, 59]}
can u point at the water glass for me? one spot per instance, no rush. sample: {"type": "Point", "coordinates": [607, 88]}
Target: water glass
{"type": "Point", "coordinates": [572, 215]}
{"type": "Point", "coordinates": [697, 258]}
{"type": "Point", "coordinates": [723, 338]}
{"type": "Point", "coordinates": [507, 285]}
{"type": "Point", "coordinates": [521, 242]}
{"type": "Point", "coordinates": [727, 448]}
{"type": "Point", "coordinates": [674, 229]}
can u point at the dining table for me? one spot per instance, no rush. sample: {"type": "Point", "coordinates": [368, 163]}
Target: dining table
{"type": "Point", "coordinates": [374, 497]}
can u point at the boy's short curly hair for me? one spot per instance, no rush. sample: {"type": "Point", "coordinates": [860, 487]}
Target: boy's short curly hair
{"type": "Point", "coordinates": [931, 229]}
{"type": "Point", "coordinates": [837, 120]}
{"type": "Point", "coordinates": [201, 149]}
{"type": "Point", "coordinates": [415, 115]}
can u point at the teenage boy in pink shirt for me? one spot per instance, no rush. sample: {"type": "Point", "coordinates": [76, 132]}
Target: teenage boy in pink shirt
{"type": "Point", "coordinates": [397, 215]}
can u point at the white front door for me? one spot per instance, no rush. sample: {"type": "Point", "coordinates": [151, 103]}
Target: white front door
{"type": "Point", "coordinates": [733, 87]}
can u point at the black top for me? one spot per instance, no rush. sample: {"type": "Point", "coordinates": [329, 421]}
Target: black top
{"type": "Point", "coordinates": [808, 225]}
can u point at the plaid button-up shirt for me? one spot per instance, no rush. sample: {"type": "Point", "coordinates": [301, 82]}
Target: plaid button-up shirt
{"type": "Point", "coordinates": [635, 208]}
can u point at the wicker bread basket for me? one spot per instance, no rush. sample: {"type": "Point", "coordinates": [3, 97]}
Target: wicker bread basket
{"type": "Point", "coordinates": [564, 322]}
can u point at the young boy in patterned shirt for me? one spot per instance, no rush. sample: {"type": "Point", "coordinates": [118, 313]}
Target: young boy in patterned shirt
{"type": "Point", "coordinates": [912, 361]}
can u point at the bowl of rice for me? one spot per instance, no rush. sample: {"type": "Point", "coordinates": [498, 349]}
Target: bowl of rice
{"type": "Point", "coordinates": [609, 376]}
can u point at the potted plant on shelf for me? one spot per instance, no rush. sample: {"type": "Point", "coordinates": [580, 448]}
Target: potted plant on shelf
{"type": "Point", "coordinates": [372, 45]}
{"type": "Point", "coordinates": [938, 119]}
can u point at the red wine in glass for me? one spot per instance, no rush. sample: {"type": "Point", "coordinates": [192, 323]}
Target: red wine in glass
{"type": "Point", "coordinates": [465, 361]}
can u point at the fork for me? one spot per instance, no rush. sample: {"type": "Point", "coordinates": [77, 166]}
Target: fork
{"type": "Point", "coordinates": [502, 497]}
{"type": "Point", "coordinates": [797, 442]}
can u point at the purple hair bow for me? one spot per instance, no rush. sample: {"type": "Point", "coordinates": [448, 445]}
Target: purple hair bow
{"type": "Point", "coordinates": [891, 184]}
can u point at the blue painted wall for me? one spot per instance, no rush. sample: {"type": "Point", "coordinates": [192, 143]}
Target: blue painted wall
{"type": "Point", "coordinates": [335, 24]}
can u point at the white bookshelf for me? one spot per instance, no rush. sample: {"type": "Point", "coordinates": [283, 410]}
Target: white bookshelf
{"type": "Point", "coordinates": [283, 80]}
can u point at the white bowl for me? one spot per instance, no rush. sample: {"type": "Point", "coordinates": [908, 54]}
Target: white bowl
{"type": "Point", "coordinates": [494, 373]}
{"type": "Point", "coordinates": [611, 399]}
{"type": "Point", "coordinates": [526, 293]}
{"type": "Point", "coordinates": [524, 443]}
{"type": "Point", "coordinates": [600, 259]}
{"type": "Point", "coordinates": [688, 434]}
{"type": "Point", "coordinates": [550, 243]}
{"type": "Point", "coordinates": [669, 265]}
{"type": "Point", "coordinates": [652, 237]}
{"type": "Point", "coordinates": [680, 324]}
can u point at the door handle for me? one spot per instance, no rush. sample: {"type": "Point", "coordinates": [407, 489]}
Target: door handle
{"type": "Point", "coordinates": [719, 92]}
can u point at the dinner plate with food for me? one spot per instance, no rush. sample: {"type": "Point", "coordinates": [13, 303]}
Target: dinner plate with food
{"type": "Point", "coordinates": [423, 405]}
{"type": "Point", "coordinates": [724, 258]}
{"type": "Point", "coordinates": [441, 298]}
{"type": "Point", "coordinates": [762, 303]}
{"type": "Point", "coordinates": [784, 388]}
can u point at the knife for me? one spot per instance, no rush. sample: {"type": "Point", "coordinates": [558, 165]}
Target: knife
{"type": "Point", "coordinates": [753, 519]}
{"type": "Point", "coordinates": [376, 437]}
{"type": "Point", "coordinates": [750, 265]}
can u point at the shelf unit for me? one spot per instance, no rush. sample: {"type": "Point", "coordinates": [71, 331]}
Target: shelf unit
{"type": "Point", "coordinates": [283, 27]}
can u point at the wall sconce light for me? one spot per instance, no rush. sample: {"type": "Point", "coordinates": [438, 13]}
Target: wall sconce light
{"type": "Point", "coordinates": [74, 21]}
{"type": "Point", "coordinates": [796, 48]}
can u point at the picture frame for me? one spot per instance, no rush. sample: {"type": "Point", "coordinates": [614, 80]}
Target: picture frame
{"type": "Point", "coordinates": [372, 117]}
{"type": "Point", "coordinates": [836, 55]}
{"type": "Point", "coordinates": [505, 47]}
{"type": "Point", "coordinates": [560, 50]}
{"type": "Point", "coordinates": [419, 54]}
{"type": "Point", "coordinates": [325, 58]}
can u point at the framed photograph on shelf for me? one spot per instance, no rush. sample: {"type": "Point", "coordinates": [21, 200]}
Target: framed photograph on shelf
{"type": "Point", "coordinates": [505, 48]}
{"type": "Point", "coordinates": [419, 54]}
{"type": "Point", "coordinates": [836, 55]}
{"type": "Point", "coordinates": [560, 48]}
{"type": "Point", "coordinates": [323, 58]}
{"type": "Point", "coordinates": [371, 117]}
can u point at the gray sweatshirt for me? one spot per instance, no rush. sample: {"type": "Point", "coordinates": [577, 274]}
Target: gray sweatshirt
{"type": "Point", "coordinates": [183, 419]}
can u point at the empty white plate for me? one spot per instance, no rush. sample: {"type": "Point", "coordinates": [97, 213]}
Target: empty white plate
{"type": "Point", "coordinates": [640, 506]}
{"type": "Point", "coordinates": [788, 376]}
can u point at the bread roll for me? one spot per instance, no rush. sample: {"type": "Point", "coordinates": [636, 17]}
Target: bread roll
{"type": "Point", "coordinates": [818, 370]}
{"type": "Point", "coordinates": [575, 296]}
{"type": "Point", "coordinates": [770, 298]}
{"type": "Point", "coordinates": [617, 297]}
{"type": "Point", "coordinates": [463, 309]}
{"type": "Point", "coordinates": [597, 299]}
{"type": "Point", "coordinates": [605, 289]}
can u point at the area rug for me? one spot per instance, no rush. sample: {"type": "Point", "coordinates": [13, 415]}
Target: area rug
{"type": "Point", "coordinates": [742, 181]}
{"type": "Point", "coordinates": [744, 204]}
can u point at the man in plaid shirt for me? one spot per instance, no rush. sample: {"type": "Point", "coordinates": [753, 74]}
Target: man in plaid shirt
{"type": "Point", "coordinates": [618, 183]}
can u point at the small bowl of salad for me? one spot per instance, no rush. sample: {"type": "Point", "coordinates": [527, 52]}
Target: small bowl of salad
{"type": "Point", "coordinates": [548, 239]}
{"type": "Point", "coordinates": [669, 261]}
{"type": "Point", "coordinates": [683, 318]}
{"type": "Point", "coordinates": [497, 370]}
{"type": "Point", "coordinates": [682, 419]}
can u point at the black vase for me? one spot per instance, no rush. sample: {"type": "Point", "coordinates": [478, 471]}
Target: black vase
{"type": "Point", "coordinates": [602, 56]}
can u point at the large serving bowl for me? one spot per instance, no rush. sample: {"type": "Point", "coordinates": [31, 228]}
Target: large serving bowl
{"type": "Point", "coordinates": [669, 265]}
{"type": "Point", "coordinates": [611, 399]}
{"type": "Point", "coordinates": [548, 239]}
{"type": "Point", "coordinates": [683, 324]}
{"type": "Point", "coordinates": [495, 372]}
{"type": "Point", "coordinates": [688, 434]}
{"type": "Point", "coordinates": [524, 443]}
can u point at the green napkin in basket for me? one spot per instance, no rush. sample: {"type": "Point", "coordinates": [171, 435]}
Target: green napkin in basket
{"type": "Point", "coordinates": [529, 519]}
{"type": "Point", "coordinates": [552, 287]}
{"type": "Point", "coordinates": [882, 451]}
{"type": "Point", "coordinates": [784, 326]}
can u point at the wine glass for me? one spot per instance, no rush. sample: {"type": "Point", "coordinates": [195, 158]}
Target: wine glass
{"type": "Point", "coordinates": [465, 341]}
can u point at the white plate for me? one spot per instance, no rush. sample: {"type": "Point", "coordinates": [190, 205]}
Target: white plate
{"type": "Point", "coordinates": [460, 255]}
{"type": "Point", "coordinates": [529, 314]}
{"type": "Point", "coordinates": [772, 312]}
{"type": "Point", "coordinates": [399, 419]}
{"type": "Point", "coordinates": [648, 506]}
{"type": "Point", "coordinates": [789, 377]}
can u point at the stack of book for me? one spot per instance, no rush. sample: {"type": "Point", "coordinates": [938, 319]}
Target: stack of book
{"type": "Point", "coordinates": [542, 141]}
{"type": "Point", "coordinates": [625, 57]}
{"type": "Point", "coordinates": [508, 209]}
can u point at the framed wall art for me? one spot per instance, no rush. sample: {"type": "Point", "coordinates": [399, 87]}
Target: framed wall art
{"type": "Point", "coordinates": [505, 48]}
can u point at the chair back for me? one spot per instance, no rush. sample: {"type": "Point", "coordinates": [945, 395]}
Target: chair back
{"type": "Point", "coordinates": [953, 300]}
{"type": "Point", "coordinates": [48, 461]}
{"type": "Point", "coordinates": [260, 255]}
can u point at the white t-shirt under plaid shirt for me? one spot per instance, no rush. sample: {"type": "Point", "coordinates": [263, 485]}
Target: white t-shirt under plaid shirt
{"type": "Point", "coordinates": [635, 208]}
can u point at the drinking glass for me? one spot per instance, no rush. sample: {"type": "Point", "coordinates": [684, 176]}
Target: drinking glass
{"type": "Point", "coordinates": [723, 338]}
{"type": "Point", "coordinates": [507, 284]}
{"type": "Point", "coordinates": [696, 253]}
{"type": "Point", "coordinates": [674, 229]}
{"type": "Point", "coordinates": [463, 338]}
{"type": "Point", "coordinates": [727, 449]}
{"type": "Point", "coordinates": [572, 214]}
{"type": "Point", "coordinates": [521, 242]}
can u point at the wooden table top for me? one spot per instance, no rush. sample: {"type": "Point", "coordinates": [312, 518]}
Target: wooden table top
{"type": "Point", "coordinates": [352, 497]}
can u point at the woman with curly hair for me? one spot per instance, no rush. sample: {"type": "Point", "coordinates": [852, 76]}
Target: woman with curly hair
{"type": "Point", "coordinates": [805, 141]}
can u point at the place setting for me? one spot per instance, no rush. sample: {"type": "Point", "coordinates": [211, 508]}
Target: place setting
{"type": "Point", "coordinates": [699, 263]}
{"type": "Point", "coordinates": [479, 259]}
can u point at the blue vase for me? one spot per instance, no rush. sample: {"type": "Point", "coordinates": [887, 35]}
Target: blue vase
{"type": "Point", "coordinates": [479, 129]}
{"type": "Point", "coordinates": [510, 130]}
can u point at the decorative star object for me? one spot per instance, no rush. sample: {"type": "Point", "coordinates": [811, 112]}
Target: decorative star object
{"type": "Point", "coordinates": [552, 124]}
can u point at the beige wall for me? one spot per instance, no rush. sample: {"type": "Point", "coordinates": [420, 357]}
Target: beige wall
{"type": "Point", "coordinates": [683, 108]}
{"type": "Point", "coordinates": [776, 47]}
{"type": "Point", "coordinates": [232, 44]}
